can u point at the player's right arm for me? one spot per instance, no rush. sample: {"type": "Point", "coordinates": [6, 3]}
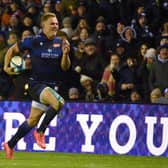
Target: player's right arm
{"type": "Point", "coordinates": [9, 54]}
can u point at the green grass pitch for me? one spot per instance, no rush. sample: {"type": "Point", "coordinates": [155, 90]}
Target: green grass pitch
{"type": "Point", "coordinates": [67, 160]}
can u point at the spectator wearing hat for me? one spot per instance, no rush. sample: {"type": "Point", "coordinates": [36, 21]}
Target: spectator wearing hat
{"type": "Point", "coordinates": [144, 30]}
{"type": "Point", "coordinates": [150, 8]}
{"type": "Point", "coordinates": [150, 58]}
{"type": "Point", "coordinates": [67, 26]}
{"type": "Point", "coordinates": [73, 94]}
{"type": "Point", "coordinates": [128, 34]}
{"type": "Point", "coordinates": [133, 8]}
{"type": "Point", "coordinates": [121, 50]}
{"type": "Point", "coordinates": [100, 35]}
{"type": "Point", "coordinates": [89, 88]}
{"type": "Point", "coordinates": [158, 77]}
{"type": "Point", "coordinates": [139, 9]}
{"type": "Point", "coordinates": [129, 37]}
{"type": "Point", "coordinates": [100, 27]}
{"type": "Point", "coordinates": [92, 63]}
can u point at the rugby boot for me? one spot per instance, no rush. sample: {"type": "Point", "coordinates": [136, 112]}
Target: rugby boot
{"type": "Point", "coordinates": [8, 151]}
{"type": "Point", "coordinates": [40, 139]}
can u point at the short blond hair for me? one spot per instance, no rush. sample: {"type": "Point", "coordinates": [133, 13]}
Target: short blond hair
{"type": "Point", "coordinates": [46, 16]}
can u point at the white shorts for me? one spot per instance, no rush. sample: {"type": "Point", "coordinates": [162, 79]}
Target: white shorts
{"type": "Point", "coordinates": [40, 106]}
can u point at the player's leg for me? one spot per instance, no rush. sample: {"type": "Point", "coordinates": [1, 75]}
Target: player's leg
{"type": "Point", "coordinates": [55, 101]}
{"type": "Point", "coordinates": [51, 97]}
{"type": "Point", "coordinates": [34, 119]}
{"type": "Point", "coordinates": [23, 129]}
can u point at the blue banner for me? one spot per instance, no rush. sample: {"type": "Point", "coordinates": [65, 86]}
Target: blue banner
{"type": "Point", "coordinates": [101, 128]}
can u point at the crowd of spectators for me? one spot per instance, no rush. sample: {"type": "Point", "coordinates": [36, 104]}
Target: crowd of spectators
{"type": "Point", "coordinates": [119, 48]}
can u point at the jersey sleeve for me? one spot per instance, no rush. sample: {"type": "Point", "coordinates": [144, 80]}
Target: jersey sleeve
{"type": "Point", "coordinates": [25, 44]}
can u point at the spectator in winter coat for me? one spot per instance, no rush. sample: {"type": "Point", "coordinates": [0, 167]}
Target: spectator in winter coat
{"type": "Point", "coordinates": [158, 77]}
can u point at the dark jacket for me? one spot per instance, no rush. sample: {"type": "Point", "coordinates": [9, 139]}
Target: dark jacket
{"type": "Point", "coordinates": [158, 77]}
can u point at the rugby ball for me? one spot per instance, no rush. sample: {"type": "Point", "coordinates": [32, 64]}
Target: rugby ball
{"type": "Point", "coordinates": [17, 63]}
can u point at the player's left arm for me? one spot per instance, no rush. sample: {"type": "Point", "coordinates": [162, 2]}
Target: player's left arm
{"type": "Point", "coordinates": [65, 61]}
{"type": "Point", "coordinates": [8, 56]}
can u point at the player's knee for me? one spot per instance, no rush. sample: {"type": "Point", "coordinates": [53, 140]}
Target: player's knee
{"type": "Point", "coordinates": [59, 104]}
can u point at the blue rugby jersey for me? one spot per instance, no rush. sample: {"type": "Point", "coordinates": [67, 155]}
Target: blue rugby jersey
{"type": "Point", "coordinates": [45, 57]}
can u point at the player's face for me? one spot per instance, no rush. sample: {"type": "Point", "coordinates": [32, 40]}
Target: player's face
{"type": "Point", "coordinates": [50, 27]}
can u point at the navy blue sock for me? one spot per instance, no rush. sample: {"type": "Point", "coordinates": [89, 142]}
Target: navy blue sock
{"type": "Point", "coordinates": [23, 129]}
{"type": "Point", "coordinates": [50, 114]}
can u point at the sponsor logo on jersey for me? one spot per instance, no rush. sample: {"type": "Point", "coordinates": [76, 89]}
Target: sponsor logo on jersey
{"type": "Point", "coordinates": [56, 45]}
